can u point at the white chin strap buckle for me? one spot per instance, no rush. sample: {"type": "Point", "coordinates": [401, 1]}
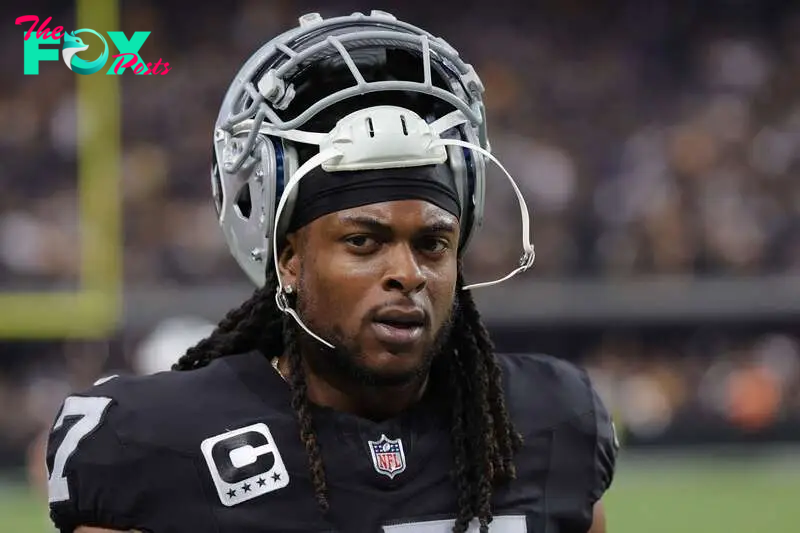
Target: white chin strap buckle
{"type": "Point", "coordinates": [382, 137]}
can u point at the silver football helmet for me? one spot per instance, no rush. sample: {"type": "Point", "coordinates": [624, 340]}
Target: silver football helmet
{"type": "Point", "coordinates": [400, 97]}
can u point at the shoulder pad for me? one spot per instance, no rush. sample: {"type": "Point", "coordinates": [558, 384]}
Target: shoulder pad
{"type": "Point", "coordinates": [553, 397]}
{"type": "Point", "coordinates": [105, 455]}
{"type": "Point", "coordinates": [545, 391]}
{"type": "Point", "coordinates": [167, 409]}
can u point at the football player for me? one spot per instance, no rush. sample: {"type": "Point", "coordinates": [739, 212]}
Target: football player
{"type": "Point", "coordinates": [357, 390]}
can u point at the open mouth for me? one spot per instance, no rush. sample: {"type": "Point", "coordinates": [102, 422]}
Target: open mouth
{"type": "Point", "coordinates": [402, 323]}
{"type": "Point", "coordinates": [399, 327]}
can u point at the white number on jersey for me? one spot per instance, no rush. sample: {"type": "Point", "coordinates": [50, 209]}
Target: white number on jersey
{"type": "Point", "coordinates": [500, 524]}
{"type": "Point", "coordinates": [91, 411]}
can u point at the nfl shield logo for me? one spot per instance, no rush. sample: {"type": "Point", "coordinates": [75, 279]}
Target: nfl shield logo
{"type": "Point", "coordinates": [387, 456]}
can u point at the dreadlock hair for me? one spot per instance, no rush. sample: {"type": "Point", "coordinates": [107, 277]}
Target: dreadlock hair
{"type": "Point", "coordinates": [484, 439]}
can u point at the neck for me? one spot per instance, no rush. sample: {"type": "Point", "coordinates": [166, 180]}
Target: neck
{"type": "Point", "coordinates": [367, 401]}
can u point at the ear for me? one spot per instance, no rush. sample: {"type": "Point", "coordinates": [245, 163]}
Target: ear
{"type": "Point", "coordinates": [289, 260]}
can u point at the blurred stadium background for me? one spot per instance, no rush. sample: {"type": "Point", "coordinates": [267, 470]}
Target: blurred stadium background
{"type": "Point", "coordinates": [658, 144]}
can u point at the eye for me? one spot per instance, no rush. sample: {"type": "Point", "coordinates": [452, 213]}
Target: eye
{"type": "Point", "coordinates": [361, 243]}
{"type": "Point", "coordinates": [434, 245]}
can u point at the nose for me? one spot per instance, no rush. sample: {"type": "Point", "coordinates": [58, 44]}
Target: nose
{"type": "Point", "coordinates": [404, 273]}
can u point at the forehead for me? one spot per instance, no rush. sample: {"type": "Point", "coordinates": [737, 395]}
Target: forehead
{"type": "Point", "coordinates": [395, 213]}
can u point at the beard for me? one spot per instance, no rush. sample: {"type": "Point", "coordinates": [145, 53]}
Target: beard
{"type": "Point", "coordinates": [346, 361]}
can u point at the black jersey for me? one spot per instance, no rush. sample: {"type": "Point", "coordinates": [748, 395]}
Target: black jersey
{"type": "Point", "coordinates": [217, 450]}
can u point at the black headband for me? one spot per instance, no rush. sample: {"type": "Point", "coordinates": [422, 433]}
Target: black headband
{"type": "Point", "coordinates": [321, 193]}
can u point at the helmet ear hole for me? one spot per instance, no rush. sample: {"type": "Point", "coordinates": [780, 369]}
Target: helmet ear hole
{"type": "Point", "coordinates": [216, 183]}
{"type": "Point", "coordinates": [243, 203]}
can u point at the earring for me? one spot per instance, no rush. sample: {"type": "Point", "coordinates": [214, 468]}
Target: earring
{"type": "Point", "coordinates": [289, 289]}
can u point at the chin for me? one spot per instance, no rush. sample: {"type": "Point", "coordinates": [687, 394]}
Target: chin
{"type": "Point", "coordinates": [391, 368]}
{"type": "Point", "coordinates": [392, 361]}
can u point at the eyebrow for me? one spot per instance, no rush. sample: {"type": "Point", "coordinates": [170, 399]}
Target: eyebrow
{"type": "Point", "coordinates": [438, 226]}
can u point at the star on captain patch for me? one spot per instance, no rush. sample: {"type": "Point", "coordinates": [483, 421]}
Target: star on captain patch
{"type": "Point", "coordinates": [388, 456]}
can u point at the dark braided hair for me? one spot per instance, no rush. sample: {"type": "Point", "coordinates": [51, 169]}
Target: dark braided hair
{"type": "Point", "coordinates": [484, 439]}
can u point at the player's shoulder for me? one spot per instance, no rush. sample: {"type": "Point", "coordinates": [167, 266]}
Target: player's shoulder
{"type": "Point", "coordinates": [553, 400]}
{"type": "Point", "coordinates": [165, 409]}
{"type": "Point", "coordinates": [131, 443]}
{"type": "Point", "coordinates": [543, 391]}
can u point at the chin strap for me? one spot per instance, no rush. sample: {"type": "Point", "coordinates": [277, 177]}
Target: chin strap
{"type": "Point", "coordinates": [280, 293]}
{"type": "Point", "coordinates": [528, 254]}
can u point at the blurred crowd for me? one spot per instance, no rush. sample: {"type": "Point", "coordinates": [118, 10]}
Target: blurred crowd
{"type": "Point", "coordinates": [705, 384]}
{"type": "Point", "coordinates": [663, 141]}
